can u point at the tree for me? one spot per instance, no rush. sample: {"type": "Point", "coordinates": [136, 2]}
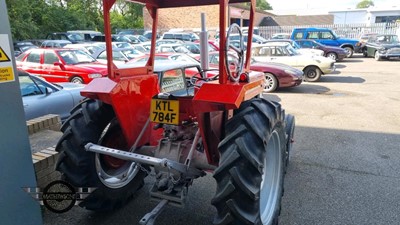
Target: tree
{"type": "Point", "coordinates": [263, 5]}
{"type": "Point", "coordinates": [365, 4]}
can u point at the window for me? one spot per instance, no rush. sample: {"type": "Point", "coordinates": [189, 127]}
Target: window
{"type": "Point", "coordinates": [50, 58]}
{"type": "Point", "coordinates": [326, 35]}
{"type": "Point", "coordinates": [312, 35]}
{"type": "Point", "coordinates": [33, 57]}
{"type": "Point", "coordinates": [265, 51]}
{"type": "Point", "coordinates": [298, 35]}
{"type": "Point", "coordinates": [75, 56]}
{"type": "Point", "coordinates": [168, 36]}
{"type": "Point", "coordinates": [186, 37]}
{"type": "Point", "coordinates": [306, 44]}
{"type": "Point", "coordinates": [28, 87]}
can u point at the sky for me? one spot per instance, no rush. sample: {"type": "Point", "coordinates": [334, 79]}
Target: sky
{"type": "Point", "coordinates": [322, 6]}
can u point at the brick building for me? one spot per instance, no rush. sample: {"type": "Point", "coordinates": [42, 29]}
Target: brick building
{"type": "Point", "coordinates": [189, 18]}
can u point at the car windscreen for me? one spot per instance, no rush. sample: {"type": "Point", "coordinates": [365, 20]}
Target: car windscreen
{"type": "Point", "coordinates": [75, 37]}
{"type": "Point", "coordinates": [131, 53]}
{"type": "Point", "coordinates": [290, 50]}
{"type": "Point", "coordinates": [72, 57]}
{"type": "Point", "coordinates": [143, 38]}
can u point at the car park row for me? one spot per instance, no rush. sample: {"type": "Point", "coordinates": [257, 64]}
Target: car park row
{"type": "Point", "coordinates": [286, 60]}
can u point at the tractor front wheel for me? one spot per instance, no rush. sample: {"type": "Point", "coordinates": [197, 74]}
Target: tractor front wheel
{"type": "Point", "coordinates": [252, 164]}
{"type": "Point", "coordinates": [115, 180]}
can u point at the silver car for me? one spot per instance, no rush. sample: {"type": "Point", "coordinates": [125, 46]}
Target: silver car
{"type": "Point", "coordinates": [40, 97]}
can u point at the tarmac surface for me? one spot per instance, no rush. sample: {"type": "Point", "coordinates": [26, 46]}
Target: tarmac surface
{"type": "Point", "coordinates": [344, 167]}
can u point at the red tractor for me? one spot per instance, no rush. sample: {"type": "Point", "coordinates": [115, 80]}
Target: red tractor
{"type": "Point", "coordinates": [146, 120]}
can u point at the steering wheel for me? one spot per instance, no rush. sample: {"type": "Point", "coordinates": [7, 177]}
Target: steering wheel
{"type": "Point", "coordinates": [239, 50]}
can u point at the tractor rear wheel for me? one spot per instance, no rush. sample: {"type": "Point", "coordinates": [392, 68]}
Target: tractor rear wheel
{"type": "Point", "coordinates": [251, 170]}
{"type": "Point", "coordinates": [115, 180]}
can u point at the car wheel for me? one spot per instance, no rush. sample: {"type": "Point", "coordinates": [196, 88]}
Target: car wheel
{"type": "Point", "coordinates": [271, 83]}
{"type": "Point", "coordinates": [312, 74]}
{"type": "Point", "coordinates": [332, 55]}
{"type": "Point", "coordinates": [377, 56]}
{"type": "Point", "coordinates": [77, 80]}
{"type": "Point", "coordinates": [349, 51]}
{"type": "Point", "coordinates": [365, 53]}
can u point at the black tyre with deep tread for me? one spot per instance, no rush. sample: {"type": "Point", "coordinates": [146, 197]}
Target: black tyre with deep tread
{"type": "Point", "coordinates": [240, 171]}
{"type": "Point", "coordinates": [87, 122]}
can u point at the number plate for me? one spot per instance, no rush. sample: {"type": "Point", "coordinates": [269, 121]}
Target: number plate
{"type": "Point", "coordinates": [164, 111]}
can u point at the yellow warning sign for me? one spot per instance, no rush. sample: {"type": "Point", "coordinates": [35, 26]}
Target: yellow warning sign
{"type": "Point", "coordinates": [6, 74]}
{"type": "Point", "coordinates": [3, 56]}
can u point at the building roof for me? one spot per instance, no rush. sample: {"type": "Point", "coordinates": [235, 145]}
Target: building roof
{"type": "Point", "coordinates": [294, 20]}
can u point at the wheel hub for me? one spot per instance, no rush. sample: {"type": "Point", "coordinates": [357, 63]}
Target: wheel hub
{"type": "Point", "coordinates": [271, 180]}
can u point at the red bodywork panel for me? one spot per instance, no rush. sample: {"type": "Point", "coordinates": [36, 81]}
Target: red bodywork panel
{"type": "Point", "coordinates": [130, 98]}
{"type": "Point", "coordinates": [129, 91]}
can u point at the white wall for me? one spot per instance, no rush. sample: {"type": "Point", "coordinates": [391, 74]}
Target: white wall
{"type": "Point", "coordinates": [349, 17]}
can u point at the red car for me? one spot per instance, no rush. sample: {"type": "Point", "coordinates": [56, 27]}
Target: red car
{"type": "Point", "coordinates": [61, 65]}
{"type": "Point", "coordinates": [277, 75]}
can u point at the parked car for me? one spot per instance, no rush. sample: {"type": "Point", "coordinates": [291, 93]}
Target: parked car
{"type": "Point", "coordinates": [183, 36]}
{"type": "Point", "coordinates": [312, 66]}
{"type": "Point", "coordinates": [61, 65]}
{"type": "Point", "coordinates": [55, 43]}
{"type": "Point", "coordinates": [22, 46]}
{"type": "Point", "coordinates": [40, 97]}
{"type": "Point", "coordinates": [72, 37]}
{"type": "Point", "coordinates": [277, 75]}
{"type": "Point", "coordinates": [328, 37]}
{"type": "Point", "coordinates": [304, 51]}
{"type": "Point", "coordinates": [335, 53]}
{"type": "Point", "coordinates": [120, 55]}
{"type": "Point", "coordinates": [383, 47]}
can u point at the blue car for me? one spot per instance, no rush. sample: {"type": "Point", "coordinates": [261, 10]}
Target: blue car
{"type": "Point", "coordinates": [327, 37]}
{"type": "Point", "coordinates": [40, 97]}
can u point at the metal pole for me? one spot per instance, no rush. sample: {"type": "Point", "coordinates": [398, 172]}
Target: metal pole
{"type": "Point", "coordinates": [204, 44]}
{"type": "Point", "coordinates": [16, 166]}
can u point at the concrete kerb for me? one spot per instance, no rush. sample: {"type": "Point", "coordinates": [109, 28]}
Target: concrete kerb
{"type": "Point", "coordinates": [44, 161]}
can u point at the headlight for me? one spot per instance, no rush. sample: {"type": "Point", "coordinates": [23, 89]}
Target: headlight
{"type": "Point", "coordinates": [382, 49]}
{"type": "Point", "coordinates": [95, 75]}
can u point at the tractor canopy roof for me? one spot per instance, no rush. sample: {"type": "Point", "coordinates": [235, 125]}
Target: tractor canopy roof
{"type": "Point", "coordinates": [181, 3]}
